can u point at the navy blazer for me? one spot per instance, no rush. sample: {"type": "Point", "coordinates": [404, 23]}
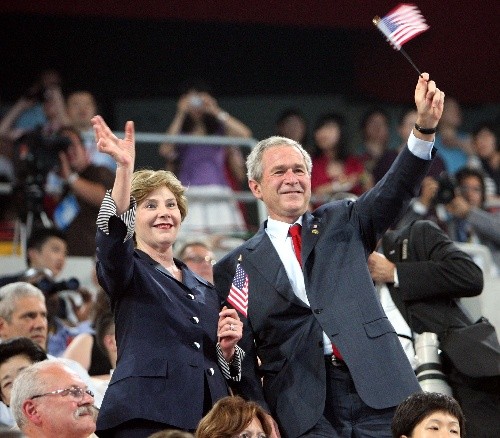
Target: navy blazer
{"type": "Point", "coordinates": [166, 333]}
{"type": "Point", "coordinates": [286, 335]}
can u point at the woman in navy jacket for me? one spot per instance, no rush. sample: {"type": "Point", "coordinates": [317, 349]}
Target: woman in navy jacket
{"type": "Point", "coordinates": [170, 367]}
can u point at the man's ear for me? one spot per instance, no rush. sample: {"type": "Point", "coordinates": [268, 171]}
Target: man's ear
{"type": "Point", "coordinates": [30, 411]}
{"type": "Point", "coordinates": [255, 188]}
{"type": "Point", "coordinates": [3, 328]}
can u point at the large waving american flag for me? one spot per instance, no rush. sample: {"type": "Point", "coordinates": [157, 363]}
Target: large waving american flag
{"type": "Point", "coordinates": [238, 293]}
{"type": "Point", "coordinates": [402, 24]}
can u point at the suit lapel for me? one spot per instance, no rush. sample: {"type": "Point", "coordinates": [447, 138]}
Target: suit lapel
{"type": "Point", "coordinates": [311, 230]}
{"type": "Point", "coordinates": [261, 248]}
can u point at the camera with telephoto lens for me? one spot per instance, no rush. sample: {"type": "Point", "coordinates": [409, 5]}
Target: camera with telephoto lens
{"type": "Point", "coordinates": [429, 372]}
{"type": "Point", "coordinates": [36, 155]}
{"type": "Point", "coordinates": [446, 189]}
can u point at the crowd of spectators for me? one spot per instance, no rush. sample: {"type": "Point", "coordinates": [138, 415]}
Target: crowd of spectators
{"type": "Point", "coordinates": [59, 178]}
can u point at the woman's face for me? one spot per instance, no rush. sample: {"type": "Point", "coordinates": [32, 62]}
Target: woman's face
{"type": "Point", "coordinates": [158, 220]}
{"type": "Point", "coordinates": [485, 143]}
{"type": "Point", "coordinates": [376, 128]}
{"type": "Point", "coordinates": [328, 136]}
{"type": "Point", "coordinates": [9, 371]}
{"type": "Point", "coordinates": [437, 425]}
{"type": "Point", "coordinates": [253, 430]}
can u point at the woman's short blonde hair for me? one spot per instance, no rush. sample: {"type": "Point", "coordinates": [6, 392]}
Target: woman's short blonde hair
{"type": "Point", "coordinates": [145, 181]}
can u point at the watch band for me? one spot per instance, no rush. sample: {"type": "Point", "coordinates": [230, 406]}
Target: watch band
{"type": "Point", "coordinates": [426, 131]}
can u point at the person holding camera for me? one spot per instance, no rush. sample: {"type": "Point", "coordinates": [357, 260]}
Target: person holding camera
{"type": "Point", "coordinates": [207, 169]}
{"type": "Point", "coordinates": [46, 252]}
{"type": "Point", "coordinates": [84, 189]}
{"type": "Point", "coordinates": [457, 205]}
{"type": "Point", "coordinates": [41, 106]}
{"type": "Point", "coordinates": [427, 274]}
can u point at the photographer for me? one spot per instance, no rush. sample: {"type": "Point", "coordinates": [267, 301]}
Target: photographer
{"type": "Point", "coordinates": [46, 257]}
{"type": "Point", "coordinates": [84, 190]}
{"type": "Point", "coordinates": [427, 274]}
{"type": "Point", "coordinates": [207, 170]}
{"type": "Point", "coordinates": [457, 206]}
{"type": "Point", "coordinates": [42, 105]}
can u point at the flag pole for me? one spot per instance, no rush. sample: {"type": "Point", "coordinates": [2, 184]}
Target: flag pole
{"type": "Point", "coordinates": [376, 21]}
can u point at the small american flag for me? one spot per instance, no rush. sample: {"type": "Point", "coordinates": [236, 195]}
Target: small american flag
{"type": "Point", "coordinates": [238, 294]}
{"type": "Point", "coordinates": [402, 24]}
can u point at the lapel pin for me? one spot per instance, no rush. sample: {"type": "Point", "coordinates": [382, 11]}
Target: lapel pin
{"type": "Point", "coordinates": [315, 229]}
{"type": "Point", "coordinates": [240, 258]}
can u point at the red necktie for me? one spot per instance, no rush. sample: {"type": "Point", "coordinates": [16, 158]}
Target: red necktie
{"type": "Point", "coordinates": [294, 231]}
{"type": "Point", "coordinates": [296, 241]}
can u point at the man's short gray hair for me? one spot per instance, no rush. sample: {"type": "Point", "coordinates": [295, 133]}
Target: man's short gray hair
{"type": "Point", "coordinates": [11, 293]}
{"type": "Point", "coordinates": [254, 160]}
{"type": "Point", "coordinates": [28, 383]}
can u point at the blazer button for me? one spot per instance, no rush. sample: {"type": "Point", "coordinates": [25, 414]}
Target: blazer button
{"type": "Point", "coordinates": [318, 311]}
{"type": "Point", "coordinates": [194, 319]}
{"type": "Point", "coordinates": [196, 345]}
{"type": "Point", "coordinates": [320, 344]}
{"type": "Point", "coordinates": [190, 296]}
{"type": "Point", "coordinates": [211, 371]}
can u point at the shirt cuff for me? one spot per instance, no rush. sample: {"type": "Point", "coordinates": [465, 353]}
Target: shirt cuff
{"type": "Point", "coordinates": [108, 209]}
{"type": "Point", "coordinates": [231, 370]}
{"type": "Point", "coordinates": [420, 148]}
{"type": "Point", "coordinates": [396, 278]}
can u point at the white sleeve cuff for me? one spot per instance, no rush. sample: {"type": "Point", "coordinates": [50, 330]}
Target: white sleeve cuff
{"type": "Point", "coordinates": [108, 209]}
{"type": "Point", "coordinates": [396, 278]}
{"type": "Point", "coordinates": [420, 148]}
{"type": "Point", "coordinates": [231, 370]}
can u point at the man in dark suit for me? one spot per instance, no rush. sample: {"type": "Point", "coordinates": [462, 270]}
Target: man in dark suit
{"type": "Point", "coordinates": [431, 274]}
{"type": "Point", "coordinates": [298, 312]}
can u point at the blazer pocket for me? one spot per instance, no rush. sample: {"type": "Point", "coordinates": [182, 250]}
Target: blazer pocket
{"type": "Point", "coordinates": [138, 367]}
{"type": "Point", "coordinates": [378, 327]}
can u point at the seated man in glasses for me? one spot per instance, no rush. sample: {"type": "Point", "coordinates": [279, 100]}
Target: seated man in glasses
{"type": "Point", "coordinates": [198, 256]}
{"type": "Point", "coordinates": [48, 399]}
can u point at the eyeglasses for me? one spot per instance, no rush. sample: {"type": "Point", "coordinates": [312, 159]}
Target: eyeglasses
{"type": "Point", "coordinates": [200, 259]}
{"type": "Point", "coordinates": [75, 391]}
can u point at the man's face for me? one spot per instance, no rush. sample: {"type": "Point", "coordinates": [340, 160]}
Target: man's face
{"type": "Point", "coordinates": [81, 108]}
{"type": "Point", "coordinates": [62, 415]}
{"type": "Point", "coordinates": [200, 260]}
{"type": "Point", "coordinates": [51, 255]}
{"type": "Point", "coordinates": [471, 190]}
{"type": "Point", "coordinates": [28, 320]}
{"type": "Point", "coordinates": [286, 186]}
{"type": "Point", "coordinates": [76, 153]}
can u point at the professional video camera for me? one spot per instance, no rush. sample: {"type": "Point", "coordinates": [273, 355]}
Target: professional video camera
{"type": "Point", "coordinates": [36, 155]}
{"type": "Point", "coordinates": [446, 189]}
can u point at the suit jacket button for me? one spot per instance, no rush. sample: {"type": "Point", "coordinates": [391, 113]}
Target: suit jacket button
{"type": "Point", "coordinates": [195, 319]}
{"type": "Point", "coordinates": [211, 371]}
{"type": "Point", "coordinates": [196, 345]}
{"type": "Point", "coordinates": [318, 311]}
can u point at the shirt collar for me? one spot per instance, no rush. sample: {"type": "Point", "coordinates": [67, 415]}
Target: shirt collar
{"type": "Point", "coordinates": [278, 229]}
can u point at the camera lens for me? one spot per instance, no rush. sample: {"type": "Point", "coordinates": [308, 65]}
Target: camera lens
{"type": "Point", "coordinates": [429, 373]}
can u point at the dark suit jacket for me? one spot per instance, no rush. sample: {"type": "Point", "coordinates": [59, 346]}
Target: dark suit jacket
{"type": "Point", "coordinates": [433, 273]}
{"type": "Point", "coordinates": [166, 333]}
{"type": "Point", "coordinates": [287, 335]}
